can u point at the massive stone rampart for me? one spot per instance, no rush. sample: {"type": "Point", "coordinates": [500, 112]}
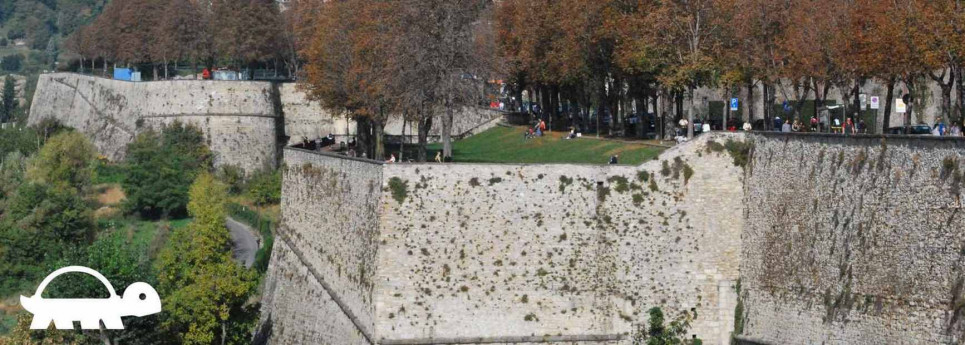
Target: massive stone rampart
{"type": "Point", "coordinates": [240, 120]}
{"type": "Point", "coordinates": [496, 253]}
{"type": "Point", "coordinates": [246, 122]}
{"type": "Point", "coordinates": [853, 240]}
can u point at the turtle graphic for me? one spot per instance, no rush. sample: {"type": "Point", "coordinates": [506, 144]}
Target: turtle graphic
{"type": "Point", "coordinates": [139, 299]}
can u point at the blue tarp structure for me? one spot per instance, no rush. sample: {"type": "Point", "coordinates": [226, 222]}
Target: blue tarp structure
{"type": "Point", "coordinates": [122, 74]}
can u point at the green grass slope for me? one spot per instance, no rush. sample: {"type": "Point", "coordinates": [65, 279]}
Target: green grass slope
{"type": "Point", "coordinates": [507, 145]}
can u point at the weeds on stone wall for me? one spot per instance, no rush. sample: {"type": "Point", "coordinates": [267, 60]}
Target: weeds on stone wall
{"type": "Point", "coordinates": [739, 317]}
{"type": "Point", "coordinates": [665, 169]}
{"type": "Point", "coordinates": [688, 173]}
{"type": "Point", "coordinates": [857, 166]}
{"type": "Point", "coordinates": [653, 185]}
{"type": "Point", "coordinates": [602, 192]}
{"type": "Point", "coordinates": [713, 146]}
{"type": "Point", "coordinates": [495, 180]}
{"type": "Point", "coordinates": [399, 189]}
{"type": "Point", "coordinates": [740, 151]}
{"type": "Point", "coordinates": [474, 182]}
{"type": "Point", "coordinates": [622, 184]}
{"type": "Point", "coordinates": [658, 332]}
{"type": "Point", "coordinates": [564, 182]}
{"type": "Point", "coordinates": [643, 176]}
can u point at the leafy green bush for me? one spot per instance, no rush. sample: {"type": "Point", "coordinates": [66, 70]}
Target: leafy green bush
{"type": "Point", "coordinates": [160, 168]}
{"type": "Point", "coordinates": [232, 176]}
{"type": "Point", "coordinates": [264, 187]}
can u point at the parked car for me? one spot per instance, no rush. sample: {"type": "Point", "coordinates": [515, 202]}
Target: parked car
{"type": "Point", "coordinates": [919, 129]}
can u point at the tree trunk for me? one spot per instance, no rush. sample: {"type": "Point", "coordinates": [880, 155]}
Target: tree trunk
{"type": "Point", "coordinates": [690, 114]}
{"type": "Point", "coordinates": [856, 102]}
{"type": "Point", "coordinates": [447, 131]}
{"type": "Point", "coordinates": [960, 88]}
{"type": "Point", "coordinates": [425, 125]}
{"type": "Point", "coordinates": [886, 121]}
{"type": "Point", "coordinates": [379, 136]}
{"type": "Point", "coordinates": [362, 137]}
{"type": "Point", "coordinates": [946, 91]}
{"type": "Point", "coordinates": [750, 101]}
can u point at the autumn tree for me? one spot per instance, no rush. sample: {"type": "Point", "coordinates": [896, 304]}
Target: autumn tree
{"type": "Point", "coordinates": [204, 292]}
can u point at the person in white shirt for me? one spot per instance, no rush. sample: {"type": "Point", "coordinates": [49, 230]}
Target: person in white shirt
{"type": "Point", "coordinates": [747, 127]}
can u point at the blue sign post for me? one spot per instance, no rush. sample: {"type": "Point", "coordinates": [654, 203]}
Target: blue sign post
{"type": "Point", "coordinates": [733, 104]}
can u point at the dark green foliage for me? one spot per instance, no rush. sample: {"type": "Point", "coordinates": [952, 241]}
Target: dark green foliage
{"type": "Point", "coordinates": [24, 141]}
{"type": "Point", "coordinates": [474, 182]}
{"type": "Point", "coordinates": [12, 62]}
{"type": "Point", "coordinates": [564, 182]}
{"type": "Point", "coordinates": [622, 184]}
{"type": "Point", "coordinates": [264, 187]}
{"type": "Point", "coordinates": [40, 224]}
{"type": "Point", "coordinates": [643, 176]}
{"type": "Point", "coordinates": [233, 177]}
{"type": "Point", "coordinates": [106, 172]}
{"type": "Point", "coordinates": [674, 333]}
{"type": "Point", "coordinates": [653, 185]}
{"type": "Point", "coordinates": [160, 168]}
{"type": "Point", "coordinates": [713, 146]}
{"type": "Point", "coordinates": [740, 151]}
{"type": "Point", "coordinates": [688, 173]}
{"type": "Point", "coordinates": [665, 169]}
{"type": "Point", "coordinates": [637, 199]}
{"type": "Point", "coordinates": [9, 99]}
{"type": "Point", "coordinates": [495, 180]}
{"type": "Point", "coordinates": [399, 189]}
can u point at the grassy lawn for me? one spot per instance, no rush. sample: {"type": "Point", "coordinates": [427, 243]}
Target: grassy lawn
{"type": "Point", "coordinates": [507, 145]}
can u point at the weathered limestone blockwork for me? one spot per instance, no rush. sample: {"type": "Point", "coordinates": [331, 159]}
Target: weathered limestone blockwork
{"type": "Point", "coordinates": [246, 122]}
{"type": "Point", "coordinates": [517, 253]}
{"type": "Point", "coordinates": [853, 240]}
{"type": "Point", "coordinates": [112, 112]}
{"type": "Point", "coordinates": [330, 216]}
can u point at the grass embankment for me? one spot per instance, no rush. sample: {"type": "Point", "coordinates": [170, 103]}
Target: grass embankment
{"type": "Point", "coordinates": [508, 145]}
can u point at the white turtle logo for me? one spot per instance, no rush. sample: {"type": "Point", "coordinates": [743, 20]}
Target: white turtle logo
{"type": "Point", "coordinates": [139, 299]}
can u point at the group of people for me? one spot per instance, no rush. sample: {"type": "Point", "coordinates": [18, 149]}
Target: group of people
{"type": "Point", "coordinates": [942, 130]}
{"type": "Point", "coordinates": [537, 130]}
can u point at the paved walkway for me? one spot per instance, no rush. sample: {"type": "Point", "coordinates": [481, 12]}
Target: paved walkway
{"type": "Point", "coordinates": [244, 243]}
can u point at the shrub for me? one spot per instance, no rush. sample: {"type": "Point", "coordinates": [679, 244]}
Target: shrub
{"type": "Point", "coordinates": [12, 62]}
{"type": "Point", "coordinates": [740, 151]}
{"type": "Point", "coordinates": [399, 189]}
{"type": "Point", "coordinates": [160, 167]}
{"type": "Point", "coordinates": [264, 187]}
{"type": "Point", "coordinates": [643, 176]}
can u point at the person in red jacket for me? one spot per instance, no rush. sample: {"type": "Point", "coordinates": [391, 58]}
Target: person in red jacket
{"type": "Point", "coordinates": [205, 74]}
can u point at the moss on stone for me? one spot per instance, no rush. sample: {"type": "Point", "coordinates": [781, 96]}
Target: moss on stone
{"type": "Point", "coordinates": [399, 189]}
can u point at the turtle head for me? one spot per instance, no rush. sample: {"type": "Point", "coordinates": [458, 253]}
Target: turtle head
{"type": "Point", "coordinates": [140, 299]}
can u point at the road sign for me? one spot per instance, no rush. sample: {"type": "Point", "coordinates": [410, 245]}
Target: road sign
{"type": "Point", "coordinates": [875, 102]}
{"type": "Point", "coordinates": [863, 99]}
{"type": "Point", "coordinates": [733, 104]}
{"type": "Point", "coordinates": [900, 106]}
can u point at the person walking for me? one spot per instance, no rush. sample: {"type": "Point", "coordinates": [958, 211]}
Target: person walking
{"type": "Point", "coordinates": [848, 126]}
{"type": "Point", "coordinates": [748, 127]}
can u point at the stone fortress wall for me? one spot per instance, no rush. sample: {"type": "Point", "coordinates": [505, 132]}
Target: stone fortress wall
{"type": "Point", "coordinates": [853, 241]}
{"type": "Point", "coordinates": [828, 239]}
{"type": "Point", "coordinates": [499, 253]}
{"type": "Point", "coordinates": [246, 123]}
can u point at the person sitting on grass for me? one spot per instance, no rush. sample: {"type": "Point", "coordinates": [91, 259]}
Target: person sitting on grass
{"type": "Point", "coordinates": [614, 159]}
